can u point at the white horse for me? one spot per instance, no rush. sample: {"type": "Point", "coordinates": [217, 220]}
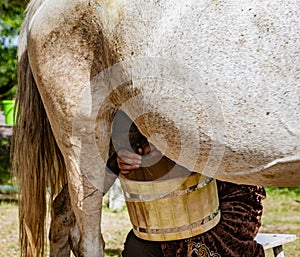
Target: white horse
{"type": "Point", "coordinates": [214, 85]}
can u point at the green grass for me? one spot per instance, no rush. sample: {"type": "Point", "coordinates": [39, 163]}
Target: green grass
{"type": "Point", "coordinates": [282, 215]}
{"type": "Point", "coordinates": [284, 192]}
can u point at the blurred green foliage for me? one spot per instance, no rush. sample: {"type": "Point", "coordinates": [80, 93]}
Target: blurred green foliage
{"type": "Point", "coordinates": [11, 17]}
{"type": "Point", "coordinates": [5, 177]}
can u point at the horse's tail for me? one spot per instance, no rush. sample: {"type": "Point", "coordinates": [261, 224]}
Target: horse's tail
{"type": "Point", "coordinates": [36, 158]}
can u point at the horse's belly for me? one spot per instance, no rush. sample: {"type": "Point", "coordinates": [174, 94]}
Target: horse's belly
{"type": "Point", "coordinates": [226, 69]}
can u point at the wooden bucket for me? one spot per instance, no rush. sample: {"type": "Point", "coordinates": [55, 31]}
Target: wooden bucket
{"type": "Point", "coordinates": [170, 205]}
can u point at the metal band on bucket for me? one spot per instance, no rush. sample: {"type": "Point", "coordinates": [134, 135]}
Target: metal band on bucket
{"type": "Point", "coordinates": [147, 197]}
{"type": "Point", "coordinates": [178, 229]}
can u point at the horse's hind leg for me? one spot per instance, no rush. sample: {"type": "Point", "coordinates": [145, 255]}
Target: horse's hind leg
{"type": "Point", "coordinates": [66, 53]}
{"type": "Point", "coordinates": [76, 222]}
{"type": "Point", "coordinates": [62, 222]}
{"type": "Point", "coordinates": [64, 235]}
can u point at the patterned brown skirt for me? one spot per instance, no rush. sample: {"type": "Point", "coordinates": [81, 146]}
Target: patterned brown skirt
{"type": "Point", "coordinates": [241, 211]}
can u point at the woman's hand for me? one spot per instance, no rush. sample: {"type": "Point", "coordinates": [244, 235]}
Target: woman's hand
{"type": "Point", "coordinates": [129, 161]}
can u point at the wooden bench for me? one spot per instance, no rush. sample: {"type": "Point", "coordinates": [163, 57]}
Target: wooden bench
{"type": "Point", "coordinates": [275, 241]}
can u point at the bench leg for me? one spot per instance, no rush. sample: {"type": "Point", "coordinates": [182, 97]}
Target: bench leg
{"type": "Point", "coordinates": [278, 251]}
